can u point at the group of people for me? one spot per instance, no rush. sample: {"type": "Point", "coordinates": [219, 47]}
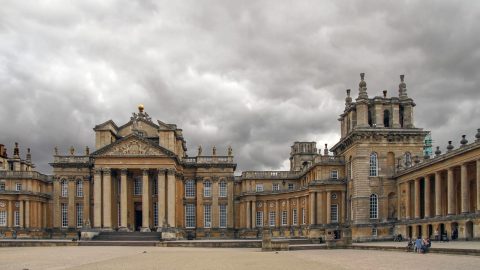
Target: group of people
{"type": "Point", "coordinates": [419, 245]}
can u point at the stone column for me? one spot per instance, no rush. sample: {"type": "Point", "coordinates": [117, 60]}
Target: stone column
{"type": "Point", "coordinates": [312, 208]}
{"type": "Point", "coordinates": [171, 198]}
{"type": "Point", "coordinates": [417, 198]}
{"type": "Point", "coordinates": [426, 196]}
{"type": "Point", "coordinates": [56, 202]}
{"type": "Point", "coordinates": [320, 214]}
{"type": "Point", "coordinates": [71, 202]}
{"type": "Point", "coordinates": [21, 214]}
{"type": "Point", "coordinates": [249, 214]}
{"type": "Point", "coordinates": [86, 201]}
{"type": "Point", "coordinates": [478, 186]}
{"type": "Point", "coordinates": [277, 214]}
{"type": "Point", "coordinates": [215, 208]}
{"type": "Point", "coordinates": [342, 201]}
{"type": "Point", "coordinates": [97, 199]}
{"type": "Point", "coordinates": [254, 213]}
{"type": "Point", "coordinates": [451, 192]}
{"type": "Point", "coordinates": [27, 214]}
{"type": "Point", "coordinates": [123, 200]}
{"type": "Point", "coordinates": [107, 199]}
{"type": "Point", "coordinates": [145, 202]}
{"type": "Point", "coordinates": [329, 208]}
{"type": "Point", "coordinates": [407, 200]}
{"type": "Point", "coordinates": [10, 215]}
{"type": "Point", "coordinates": [162, 222]}
{"type": "Point", "coordinates": [465, 189]}
{"type": "Point", "coordinates": [438, 194]}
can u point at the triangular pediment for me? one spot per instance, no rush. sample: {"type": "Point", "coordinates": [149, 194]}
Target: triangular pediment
{"type": "Point", "coordinates": [133, 145]}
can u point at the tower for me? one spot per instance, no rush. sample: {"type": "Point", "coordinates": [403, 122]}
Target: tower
{"type": "Point", "coordinates": [376, 134]}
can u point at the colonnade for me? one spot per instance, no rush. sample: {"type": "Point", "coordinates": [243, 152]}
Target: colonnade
{"type": "Point", "coordinates": [32, 213]}
{"type": "Point", "coordinates": [102, 186]}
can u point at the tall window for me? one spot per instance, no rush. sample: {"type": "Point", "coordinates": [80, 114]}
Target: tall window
{"type": "Point", "coordinates": [137, 186]}
{"type": "Point", "coordinates": [275, 187]}
{"type": "Point", "coordinates": [294, 217]}
{"type": "Point", "coordinates": [155, 186]}
{"type": "Point", "coordinates": [190, 189]}
{"type": "Point", "coordinates": [2, 186]}
{"type": "Point", "coordinates": [334, 213]}
{"type": "Point", "coordinates": [16, 220]}
{"type": "Point", "coordinates": [64, 188]}
{"type": "Point", "coordinates": [155, 214]}
{"type": "Point", "coordinates": [190, 215]}
{"type": "Point", "coordinates": [373, 164]}
{"type": "Point", "coordinates": [3, 218]}
{"type": "Point", "coordinates": [284, 218]}
{"type": "Point", "coordinates": [64, 215]}
{"type": "Point", "coordinates": [408, 159]}
{"type": "Point", "coordinates": [334, 174]}
{"type": "Point", "coordinates": [259, 219]}
{"type": "Point", "coordinates": [18, 187]}
{"type": "Point", "coordinates": [291, 186]}
{"type": "Point", "coordinates": [223, 215]}
{"type": "Point", "coordinates": [259, 187]}
{"type": "Point", "coordinates": [119, 214]}
{"type": "Point", "coordinates": [373, 206]}
{"type": "Point", "coordinates": [79, 215]}
{"type": "Point", "coordinates": [304, 217]}
{"type": "Point", "coordinates": [207, 216]}
{"type": "Point", "coordinates": [223, 189]}
{"type": "Point", "coordinates": [386, 118]}
{"type": "Point", "coordinates": [79, 188]}
{"type": "Point", "coordinates": [207, 189]}
{"type": "Point", "coordinates": [271, 218]}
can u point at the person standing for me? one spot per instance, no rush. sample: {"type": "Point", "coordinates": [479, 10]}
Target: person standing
{"type": "Point", "coordinates": [437, 235]}
{"type": "Point", "coordinates": [418, 244]}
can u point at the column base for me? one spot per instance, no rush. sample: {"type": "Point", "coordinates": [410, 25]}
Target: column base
{"type": "Point", "coordinates": [106, 229]}
{"type": "Point", "coordinates": [169, 233]}
{"type": "Point", "coordinates": [145, 230]}
{"type": "Point", "coordinates": [123, 229]}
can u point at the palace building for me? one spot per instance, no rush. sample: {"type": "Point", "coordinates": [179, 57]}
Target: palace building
{"type": "Point", "coordinates": [379, 180]}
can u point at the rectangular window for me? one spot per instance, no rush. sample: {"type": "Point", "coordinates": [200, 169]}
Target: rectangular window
{"type": "Point", "coordinates": [190, 215]}
{"type": "Point", "coordinates": [304, 217]}
{"type": "Point", "coordinates": [334, 174]}
{"type": "Point", "coordinates": [223, 215]}
{"type": "Point", "coordinates": [207, 216]}
{"type": "Point", "coordinates": [64, 188]}
{"type": "Point", "coordinates": [290, 186]}
{"type": "Point", "coordinates": [259, 187]}
{"type": "Point", "coordinates": [374, 232]}
{"type": "Point", "coordinates": [275, 187]}
{"type": "Point", "coordinates": [155, 214]}
{"type": "Point", "coordinates": [79, 215]}
{"type": "Point", "coordinates": [259, 219]}
{"type": "Point", "coordinates": [271, 219]}
{"type": "Point", "coordinates": [207, 189]}
{"type": "Point", "coordinates": [18, 187]}
{"type": "Point", "coordinates": [334, 213]}
{"type": "Point", "coordinates": [294, 217]}
{"type": "Point", "coordinates": [190, 189]}
{"type": "Point", "coordinates": [16, 218]}
{"type": "Point", "coordinates": [222, 189]}
{"type": "Point", "coordinates": [3, 218]}
{"type": "Point", "coordinates": [64, 215]}
{"type": "Point", "coordinates": [2, 186]}
{"type": "Point", "coordinates": [137, 186]}
{"type": "Point", "coordinates": [79, 188]}
{"type": "Point", "coordinates": [284, 218]}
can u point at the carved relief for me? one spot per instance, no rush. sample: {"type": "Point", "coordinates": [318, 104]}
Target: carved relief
{"type": "Point", "coordinates": [133, 147]}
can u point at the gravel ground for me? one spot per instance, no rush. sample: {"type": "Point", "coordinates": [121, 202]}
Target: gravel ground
{"type": "Point", "coordinates": [33, 258]}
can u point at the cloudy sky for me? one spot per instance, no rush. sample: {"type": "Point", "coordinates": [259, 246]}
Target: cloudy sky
{"type": "Point", "coordinates": [257, 75]}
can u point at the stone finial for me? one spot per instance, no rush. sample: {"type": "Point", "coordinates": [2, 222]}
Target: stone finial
{"type": "Point", "coordinates": [464, 141]}
{"type": "Point", "coordinates": [230, 151]}
{"type": "Point", "coordinates": [16, 151]}
{"type": "Point", "coordinates": [29, 155]}
{"type": "Point", "coordinates": [438, 152]}
{"type": "Point", "coordinates": [399, 162]}
{"type": "Point", "coordinates": [348, 99]}
{"type": "Point", "coordinates": [325, 151]}
{"type": "Point", "coordinates": [214, 151]}
{"type": "Point", "coordinates": [402, 88]}
{"type": "Point", "coordinates": [87, 151]}
{"type": "Point", "coordinates": [449, 146]}
{"type": "Point", "coordinates": [477, 136]}
{"type": "Point", "coordinates": [384, 93]}
{"type": "Point", "coordinates": [72, 150]}
{"type": "Point", "coordinates": [55, 150]}
{"type": "Point", "coordinates": [199, 150]}
{"type": "Point", "coordinates": [426, 156]}
{"type": "Point", "coordinates": [362, 87]}
{"type": "Point", "coordinates": [417, 159]}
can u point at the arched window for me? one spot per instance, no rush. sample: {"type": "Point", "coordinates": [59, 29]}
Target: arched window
{"type": "Point", "coordinates": [370, 118]}
{"type": "Point", "coordinates": [373, 206]}
{"type": "Point", "coordinates": [373, 164]}
{"type": "Point", "coordinates": [79, 188]}
{"type": "Point", "coordinates": [223, 189]}
{"type": "Point", "coordinates": [408, 159]}
{"type": "Point", "coordinates": [207, 189]}
{"type": "Point", "coordinates": [64, 188]}
{"type": "Point", "coordinates": [386, 118]}
{"type": "Point", "coordinates": [190, 189]}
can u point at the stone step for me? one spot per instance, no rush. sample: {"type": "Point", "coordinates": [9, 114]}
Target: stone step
{"type": "Point", "coordinates": [128, 236]}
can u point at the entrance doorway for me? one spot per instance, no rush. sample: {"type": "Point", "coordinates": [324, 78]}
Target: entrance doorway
{"type": "Point", "coordinates": [419, 231]}
{"type": "Point", "coordinates": [409, 232]}
{"type": "Point", "coordinates": [429, 231]}
{"type": "Point", "coordinates": [469, 230]}
{"type": "Point", "coordinates": [138, 216]}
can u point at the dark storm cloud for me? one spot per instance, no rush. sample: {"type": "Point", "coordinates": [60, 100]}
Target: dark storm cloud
{"type": "Point", "coordinates": [257, 75]}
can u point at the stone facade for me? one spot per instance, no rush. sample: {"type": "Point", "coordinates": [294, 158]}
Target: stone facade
{"type": "Point", "coordinates": [376, 184]}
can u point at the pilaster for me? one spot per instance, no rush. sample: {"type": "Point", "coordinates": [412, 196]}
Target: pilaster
{"type": "Point", "coordinates": [107, 199]}
{"type": "Point", "coordinates": [145, 202]}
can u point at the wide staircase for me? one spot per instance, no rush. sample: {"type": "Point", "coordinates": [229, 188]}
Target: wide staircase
{"type": "Point", "coordinates": [125, 238]}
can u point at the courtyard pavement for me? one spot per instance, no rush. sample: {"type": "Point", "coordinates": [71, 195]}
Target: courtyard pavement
{"type": "Point", "coordinates": [33, 258]}
{"type": "Point", "coordinates": [435, 244]}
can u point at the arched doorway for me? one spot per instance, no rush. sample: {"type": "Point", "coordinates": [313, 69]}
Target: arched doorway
{"type": "Point", "coordinates": [429, 231]}
{"type": "Point", "coordinates": [409, 231]}
{"type": "Point", "coordinates": [469, 230]}
{"type": "Point", "coordinates": [419, 231]}
{"type": "Point", "coordinates": [454, 230]}
{"type": "Point", "coordinates": [392, 205]}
